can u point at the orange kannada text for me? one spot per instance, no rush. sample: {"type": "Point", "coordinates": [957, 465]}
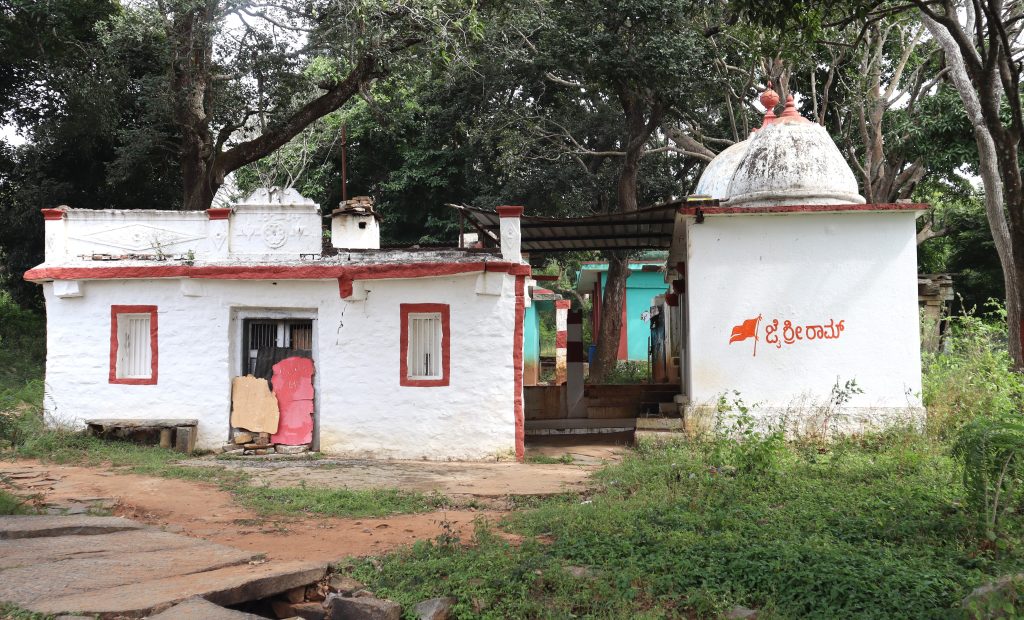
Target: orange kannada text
{"type": "Point", "coordinates": [791, 334]}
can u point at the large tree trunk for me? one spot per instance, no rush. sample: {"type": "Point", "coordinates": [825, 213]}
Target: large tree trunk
{"type": "Point", "coordinates": [992, 179]}
{"type": "Point", "coordinates": [609, 333]}
{"type": "Point", "coordinates": [638, 130]}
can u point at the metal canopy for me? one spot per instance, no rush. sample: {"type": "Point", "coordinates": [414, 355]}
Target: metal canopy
{"type": "Point", "coordinates": [644, 229]}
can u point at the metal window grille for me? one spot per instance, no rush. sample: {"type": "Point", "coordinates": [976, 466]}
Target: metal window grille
{"type": "Point", "coordinates": [301, 335]}
{"type": "Point", "coordinates": [425, 346]}
{"type": "Point", "coordinates": [134, 352]}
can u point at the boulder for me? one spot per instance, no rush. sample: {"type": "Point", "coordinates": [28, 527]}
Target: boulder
{"type": "Point", "coordinates": [994, 599]}
{"type": "Point", "coordinates": [344, 585]}
{"type": "Point", "coordinates": [363, 608]}
{"type": "Point", "coordinates": [435, 608]}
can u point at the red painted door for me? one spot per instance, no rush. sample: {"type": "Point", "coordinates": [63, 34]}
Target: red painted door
{"type": "Point", "coordinates": [293, 387]}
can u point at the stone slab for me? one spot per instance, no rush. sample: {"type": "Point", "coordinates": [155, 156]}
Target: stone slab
{"type": "Point", "coordinates": [253, 406]}
{"type": "Point", "coordinates": [27, 551]}
{"type": "Point", "coordinates": [196, 608]}
{"type": "Point", "coordinates": [47, 581]}
{"type": "Point", "coordinates": [225, 586]}
{"type": "Point", "coordinates": [142, 422]}
{"type": "Point", "coordinates": [28, 526]}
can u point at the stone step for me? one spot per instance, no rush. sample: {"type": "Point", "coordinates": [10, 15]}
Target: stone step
{"type": "Point", "coordinates": [659, 424]}
{"type": "Point", "coordinates": [224, 586]}
{"type": "Point", "coordinates": [31, 526]}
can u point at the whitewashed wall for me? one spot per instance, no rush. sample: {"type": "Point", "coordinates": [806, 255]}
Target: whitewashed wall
{"type": "Point", "coordinates": [855, 267]}
{"type": "Point", "coordinates": [363, 410]}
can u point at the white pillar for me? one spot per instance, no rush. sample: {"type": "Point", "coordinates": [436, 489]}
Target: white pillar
{"type": "Point", "coordinates": [561, 339]}
{"type": "Point", "coordinates": [55, 234]}
{"type": "Point", "coordinates": [511, 235]}
{"type": "Point", "coordinates": [574, 401]}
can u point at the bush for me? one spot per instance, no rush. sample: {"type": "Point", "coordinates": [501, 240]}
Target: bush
{"type": "Point", "coordinates": [973, 376]}
{"type": "Point", "coordinates": [629, 372]}
{"type": "Point", "coordinates": [991, 450]}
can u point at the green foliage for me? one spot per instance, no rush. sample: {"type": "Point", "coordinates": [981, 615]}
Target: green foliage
{"type": "Point", "coordinates": [629, 372]}
{"type": "Point", "coordinates": [973, 377]}
{"type": "Point", "coordinates": [543, 459]}
{"type": "Point", "coordinates": [12, 505]}
{"type": "Point", "coordinates": [10, 611]}
{"type": "Point", "coordinates": [991, 450]}
{"type": "Point", "coordinates": [872, 528]}
{"type": "Point", "coordinates": [338, 502]}
{"type": "Point", "coordinates": [739, 445]}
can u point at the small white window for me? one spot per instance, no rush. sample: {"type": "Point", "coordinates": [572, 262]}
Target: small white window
{"type": "Point", "coordinates": [425, 345]}
{"type": "Point", "coordinates": [134, 347]}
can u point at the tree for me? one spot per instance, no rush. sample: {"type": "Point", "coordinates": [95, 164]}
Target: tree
{"type": "Point", "coordinates": [245, 76]}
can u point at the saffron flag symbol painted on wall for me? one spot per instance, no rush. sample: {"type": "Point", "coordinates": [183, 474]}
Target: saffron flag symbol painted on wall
{"type": "Point", "coordinates": [746, 329]}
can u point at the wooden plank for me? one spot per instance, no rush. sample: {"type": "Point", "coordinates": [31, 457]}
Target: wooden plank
{"type": "Point", "coordinates": [142, 423]}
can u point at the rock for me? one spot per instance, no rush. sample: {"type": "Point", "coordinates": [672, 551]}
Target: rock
{"type": "Point", "coordinates": [315, 593]}
{"type": "Point", "coordinates": [283, 449]}
{"type": "Point", "coordinates": [993, 599]}
{"type": "Point", "coordinates": [740, 613]}
{"type": "Point", "coordinates": [231, 447]}
{"type": "Point", "coordinates": [263, 439]}
{"type": "Point", "coordinates": [343, 585]}
{"type": "Point", "coordinates": [582, 572]}
{"type": "Point", "coordinates": [261, 451]}
{"type": "Point", "coordinates": [251, 446]}
{"type": "Point", "coordinates": [199, 608]}
{"type": "Point", "coordinates": [306, 611]}
{"type": "Point", "coordinates": [296, 595]}
{"type": "Point", "coordinates": [242, 438]}
{"type": "Point", "coordinates": [366, 608]}
{"type": "Point", "coordinates": [66, 617]}
{"type": "Point", "coordinates": [435, 608]}
{"type": "Point", "coordinates": [309, 611]}
{"type": "Point", "coordinates": [37, 527]}
{"type": "Point", "coordinates": [362, 594]}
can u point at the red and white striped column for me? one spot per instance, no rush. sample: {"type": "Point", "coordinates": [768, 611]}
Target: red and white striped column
{"type": "Point", "coordinates": [561, 338]}
{"type": "Point", "coordinates": [574, 402]}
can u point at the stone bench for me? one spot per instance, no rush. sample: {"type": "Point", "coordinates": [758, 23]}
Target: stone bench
{"type": "Point", "coordinates": [179, 434]}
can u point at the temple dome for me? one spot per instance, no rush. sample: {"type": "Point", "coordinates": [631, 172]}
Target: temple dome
{"type": "Point", "coordinates": [788, 161]}
{"type": "Point", "coordinates": [717, 175]}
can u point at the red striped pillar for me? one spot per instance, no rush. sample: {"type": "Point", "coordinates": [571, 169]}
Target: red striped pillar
{"type": "Point", "coordinates": [561, 338]}
{"type": "Point", "coordinates": [574, 365]}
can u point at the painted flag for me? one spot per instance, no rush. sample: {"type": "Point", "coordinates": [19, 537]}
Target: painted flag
{"type": "Point", "coordinates": [747, 329]}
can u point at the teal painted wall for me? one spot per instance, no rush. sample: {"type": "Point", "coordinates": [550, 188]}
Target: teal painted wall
{"type": "Point", "coordinates": [641, 288]}
{"type": "Point", "coordinates": [531, 335]}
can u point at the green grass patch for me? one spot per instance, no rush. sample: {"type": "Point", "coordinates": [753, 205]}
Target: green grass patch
{"type": "Point", "coordinates": [543, 459]}
{"type": "Point", "coordinates": [338, 502]}
{"type": "Point", "coordinates": [869, 528]}
{"type": "Point", "coordinates": [10, 611]}
{"type": "Point", "coordinates": [13, 505]}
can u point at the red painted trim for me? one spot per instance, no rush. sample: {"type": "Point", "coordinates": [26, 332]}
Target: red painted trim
{"type": "Point", "coordinates": [218, 214]}
{"type": "Point", "coordinates": [543, 291]}
{"type": "Point", "coordinates": [692, 211]}
{"type": "Point", "coordinates": [560, 339]}
{"type": "Point", "coordinates": [679, 285]}
{"type": "Point", "coordinates": [446, 345]}
{"type": "Point", "coordinates": [275, 272]}
{"type": "Point", "coordinates": [517, 369]}
{"type": "Point", "coordinates": [509, 211]}
{"type": "Point", "coordinates": [543, 277]}
{"type": "Point", "coordinates": [53, 214]}
{"type": "Point", "coordinates": [153, 330]}
{"type": "Point", "coordinates": [563, 304]}
{"type": "Point", "coordinates": [672, 299]}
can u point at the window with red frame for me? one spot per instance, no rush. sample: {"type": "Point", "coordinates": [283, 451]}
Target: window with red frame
{"type": "Point", "coordinates": [133, 345]}
{"type": "Point", "coordinates": [426, 345]}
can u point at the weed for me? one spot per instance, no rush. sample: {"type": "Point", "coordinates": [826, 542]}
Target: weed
{"type": "Point", "coordinates": [991, 449]}
{"type": "Point", "coordinates": [338, 502]}
{"type": "Point", "coordinates": [543, 459]}
{"type": "Point", "coordinates": [13, 505]}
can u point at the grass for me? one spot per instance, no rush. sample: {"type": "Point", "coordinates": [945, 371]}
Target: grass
{"type": "Point", "coordinates": [10, 611]}
{"type": "Point", "coordinates": [868, 528]}
{"type": "Point", "coordinates": [338, 502]}
{"type": "Point", "coordinates": [543, 459]}
{"type": "Point", "coordinates": [12, 505]}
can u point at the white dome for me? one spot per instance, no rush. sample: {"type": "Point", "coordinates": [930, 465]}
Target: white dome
{"type": "Point", "coordinates": [715, 179]}
{"type": "Point", "coordinates": [788, 161]}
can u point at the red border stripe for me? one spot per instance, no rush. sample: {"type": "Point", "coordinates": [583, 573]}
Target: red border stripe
{"type": "Point", "coordinates": [446, 345]}
{"type": "Point", "coordinates": [517, 368]}
{"type": "Point", "coordinates": [692, 211]}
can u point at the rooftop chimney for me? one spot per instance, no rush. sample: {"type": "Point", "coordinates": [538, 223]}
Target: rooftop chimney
{"type": "Point", "coordinates": [354, 225]}
{"type": "Point", "coordinates": [511, 236]}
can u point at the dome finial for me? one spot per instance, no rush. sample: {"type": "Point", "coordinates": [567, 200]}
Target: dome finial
{"type": "Point", "coordinates": [790, 110]}
{"type": "Point", "coordinates": [769, 99]}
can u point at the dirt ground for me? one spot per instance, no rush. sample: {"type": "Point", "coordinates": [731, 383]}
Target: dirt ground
{"type": "Point", "coordinates": [205, 511]}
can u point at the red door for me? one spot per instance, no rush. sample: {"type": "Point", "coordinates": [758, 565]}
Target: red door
{"type": "Point", "coordinates": [293, 387]}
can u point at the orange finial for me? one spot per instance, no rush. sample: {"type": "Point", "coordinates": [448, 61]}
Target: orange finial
{"type": "Point", "coordinates": [769, 99]}
{"type": "Point", "coordinates": [789, 112]}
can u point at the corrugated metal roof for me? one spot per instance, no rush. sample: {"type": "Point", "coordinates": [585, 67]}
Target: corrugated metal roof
{"type": "Point", "coordinates": [649, 228]}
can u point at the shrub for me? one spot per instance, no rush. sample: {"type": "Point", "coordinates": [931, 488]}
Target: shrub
{"type": "Point", "coordinates": [629, 372]}
{"type": "Point", "coordinates": [973, 376]}
{"type": "Point", "coordinates": [991, 450]}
